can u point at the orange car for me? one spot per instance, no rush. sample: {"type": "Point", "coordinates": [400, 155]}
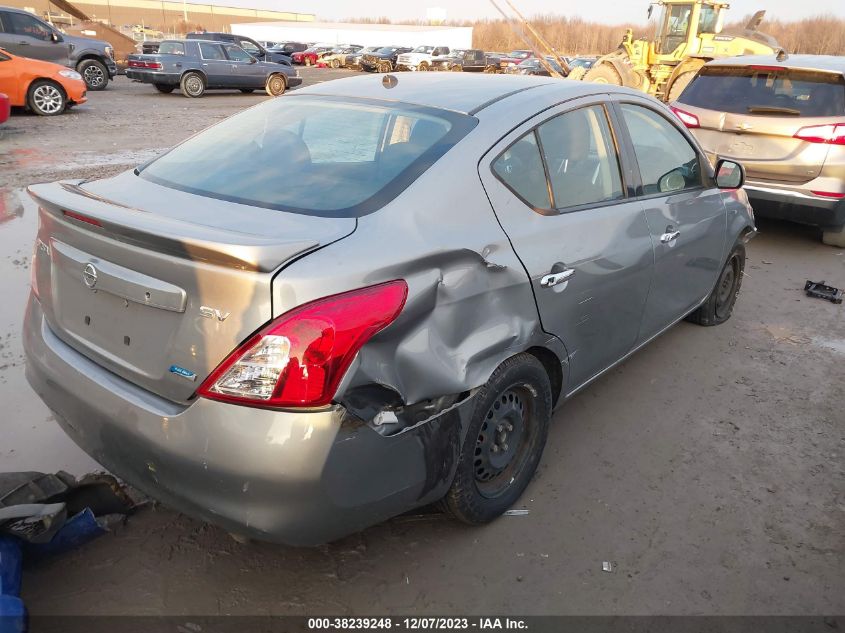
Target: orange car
{"type": "Point", "coordinates": [43, 87]}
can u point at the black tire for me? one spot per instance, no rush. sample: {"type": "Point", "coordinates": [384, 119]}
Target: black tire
{"type": "Point", "coordinates": [94, 74]}
{"type": "Point", "coordinates": [164, 88]}
{"type": "Point", "coordinates": [423, 67]}
{"type": "Point", "coordinates": [603, 74]}
{"type": "Point", "coordinates": [192, 85]}
{"type": "Point", "coordinates": [46, 98]}
{"type": "Point", "coordinates": [276, 85]}
{"type": "Point", "coordinates": [384, 67]}
{"type": "Point", "coordinates": [720, 304]}
{"type": "Point", "coordinates": [457, 68]}
{"type": "Point", "coordinates": [247, 91]}
{"type": "Point", "coordinates": [335, 63]}
{"type": "Point", "coordinates": [514, 406]}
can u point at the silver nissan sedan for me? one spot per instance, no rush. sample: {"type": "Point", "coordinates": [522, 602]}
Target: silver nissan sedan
{"type": "Point", "coordinates": [370, 295]}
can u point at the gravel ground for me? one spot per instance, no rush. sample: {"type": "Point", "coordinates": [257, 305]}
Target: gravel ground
{"type": "Point", "coordinates": [708, 468]}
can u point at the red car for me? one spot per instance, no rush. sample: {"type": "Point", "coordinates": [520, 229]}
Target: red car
{"type": "Point", "coordinates": [513, 58]}
{"type": "Point", "coordinates": [309, 56]}
{"type": "Point", "coordinates": [5, 108]}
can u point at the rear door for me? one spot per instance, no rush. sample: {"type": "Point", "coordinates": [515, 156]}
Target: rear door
{"type": "Point", "coordinates": [27, 36]}
{"type": "Point", "coordinates": [244, 71]}
{"type": "Point", "coordinates": [752, 114]}
{"type": "Point", "coordinates": [685, 213]}
{"type": "Point", "coordinates": [215, 64]}
{"type": "Point", "coordinates": [556, 187]}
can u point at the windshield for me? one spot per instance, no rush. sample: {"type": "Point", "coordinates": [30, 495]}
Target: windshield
{"type": "Point", "coordinates": [676, 23]}
{"type": "Point", "coordinates": [386, 51]}
{"type": "Point", "coordinates": [423, 49]}
{"type": "Point", "coordinates": [781, 92]}
{"type": "Point", "coordinates": [329, 156]}
{"type": "Point", "coordinates": [171, 48]}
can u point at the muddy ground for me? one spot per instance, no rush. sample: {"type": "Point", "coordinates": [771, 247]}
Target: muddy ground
{"type": "Point", "coordinates": [708, 468]}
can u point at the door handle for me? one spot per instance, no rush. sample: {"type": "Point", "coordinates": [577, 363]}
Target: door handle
{"type": "Point", "coordinates": [554, 279]}
{"type": "Point", "coordinates": [669, 236]}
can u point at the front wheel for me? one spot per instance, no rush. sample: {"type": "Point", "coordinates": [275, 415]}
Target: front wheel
{"type": "Point", "coordinates": [720, 304]}
{"type": "Point", "coordinates": [94, 74]}
{"type": "Point", "coordinates": [275, 86]}
{"type": "Point", "coordinates": [384, 67]}
{"type": "Point", "coordinates": [335, 63]}
{"type": "Point", "coordinates": [504, 441]}
{"type": "Point", "coordinates": [192, 85]}
{"type": "Point", "coordinates": [46, 98]}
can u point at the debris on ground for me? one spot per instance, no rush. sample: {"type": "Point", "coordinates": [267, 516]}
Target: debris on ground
{"type": "Point", "coordinates": [608, 566]}
{"type": "Point", "coordinates": [819, 290]}
{"type": "Point", "coordinates": [516, 513]}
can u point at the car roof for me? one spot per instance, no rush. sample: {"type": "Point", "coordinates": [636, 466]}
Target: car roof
{"type": "Point", "coordinates": [828, 63]}
{"type": "Point", "coordinates": [467, 93]}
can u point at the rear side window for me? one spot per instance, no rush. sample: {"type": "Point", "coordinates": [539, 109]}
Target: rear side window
{"type": "Point", "coordinates": [171, 48]}
{"type": "Point", "coordinates": [521, 169]}
{"type": "Point", "coordinates": [668, 163]}
{"type": "Point", "coordinates": [781, 92]}
{"type": "Point", "coordinates": [211, 51]}
{"type": "Point", "coordinates": [322, 156]}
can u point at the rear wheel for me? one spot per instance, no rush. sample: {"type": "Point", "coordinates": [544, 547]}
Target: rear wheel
{"type": "Point", "coordinates": [192, 84]}
{"type": "Point", "coordinates": [46, 98]}
{"type": "Point", "coordinates": [504, 441]}
{"type": "Point", "coordinates": [603, 74]}
{"type": "Point", "coordinates": [94, 74]}
{"type": "Point", "coordinates": [834, 237]}
{"type": "Point", "coordinates": [275, 85]}
{"type": "Point", "coordinates": [720, 304]}
{"type": "Point", "coordinates": [164, 88]}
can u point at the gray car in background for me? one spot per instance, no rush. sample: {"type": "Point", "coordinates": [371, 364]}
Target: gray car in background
{"type": "Point", "coordinates": [23, 34]}
{"type": "Point", "coordinates": [369, 295]}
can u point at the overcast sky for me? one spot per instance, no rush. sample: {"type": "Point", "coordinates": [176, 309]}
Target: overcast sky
{"type": "Point", "coordinates": [599, 10]}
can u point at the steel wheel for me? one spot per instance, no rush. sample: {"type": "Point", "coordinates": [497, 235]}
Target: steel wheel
{"type": "Point", "coordinates": [275, 86]}
{"type": "Point", "coordinates": [193, 85]}
{"type": "Point", "coordinates": [46, 98]}
{"type": "Point", "coordinates": [727, 287]}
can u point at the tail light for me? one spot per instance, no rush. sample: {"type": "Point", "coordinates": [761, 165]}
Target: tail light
{"type": "Point", "coordinates": [687, 118]}
{"type": "Point", "coordinates": [299, 359]}
{"type": "Point", "coordinates": [832, 134]}
{"type": "Point", "coordinates": [135, 63]}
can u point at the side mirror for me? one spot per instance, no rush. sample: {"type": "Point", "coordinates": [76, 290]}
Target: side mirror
{"type": "Point", "coordinates": [55, 37]}
{"type": "Point", "coordinates": [650, 9]}
{"type": "Point", "coordinates": [729, 175]}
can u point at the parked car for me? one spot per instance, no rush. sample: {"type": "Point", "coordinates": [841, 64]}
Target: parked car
{"type": "Point", "coordinates": [420, 58]}
{"type": "Point", "coordinates": [784, 118]}
{"type": "Point", "coordinates": [513, 58]}
{"type": "Point", "coordinates": [210, 333]}
{"type": "Point", "coordinates": [336, 57]}
{"type": "Point", "coordinates": [581, 62]}
{"type": "Point", "coordinates": [25, 35]}
{"type": "Point", "coordinates": [289, 48]}
{"type": "Point", "coordinates": [532, 66]}
{"type": "Point", "coordinates": [383, 60]}
{"type": "Point", "coordinates": [470, 60]}
{"type": "Point", "coordinates": [354, 60]}
{"type": "Point", "coordinates": [247, 43]}
{"type": "Point", "coordinates": [309, 56]}
{"type": "Point", "coordinates": [195, 66]}
{"type": "Point", "coordinates": [5, 107]}
{"type": "Point", "coordinates": [42, 87]}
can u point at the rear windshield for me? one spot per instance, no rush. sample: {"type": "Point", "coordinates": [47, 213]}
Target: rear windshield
{"type": "Point", "coordinates": [171, 48]}
{"type": "Point", "coordinates": [781, 92]}
{"type": "Point", "coordinates": [323, 156]}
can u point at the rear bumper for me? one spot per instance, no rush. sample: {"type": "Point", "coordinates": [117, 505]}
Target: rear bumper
{"type": "Point", "coordinates": [795, 204]}
{"type": "Point", "coordinates": [149, 77]}
{"type": "Point", "coordinates": [300, 478]}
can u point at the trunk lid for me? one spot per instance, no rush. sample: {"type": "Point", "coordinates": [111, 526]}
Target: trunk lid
{"type": "Point", "coordinates": [159, 285]}
{"type": "Point", "coordinates": [752, 113]}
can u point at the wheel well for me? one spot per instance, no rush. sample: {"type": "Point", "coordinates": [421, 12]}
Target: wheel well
{"type": "Point", "coordinates": [194, 70]}
{"type": "Point", "coordinates": [45, 80]}
{"type": "Point", "coordinates": [553, 368]}
{"type": "Point", "coordinates": [88, 56]}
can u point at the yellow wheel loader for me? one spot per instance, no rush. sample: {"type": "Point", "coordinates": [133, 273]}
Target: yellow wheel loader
{"type": "Point", "coordinates": [689, 34]}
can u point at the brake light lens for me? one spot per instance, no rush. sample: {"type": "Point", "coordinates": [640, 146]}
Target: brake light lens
{"type": "Point", "coordinates": [687, 118]}
{"type": "Point", "coordinates": [135, 63]}
{"type": "Point", "coordinates": [299, 359]}
{"type": "Point", "coordinates": [832, 134]}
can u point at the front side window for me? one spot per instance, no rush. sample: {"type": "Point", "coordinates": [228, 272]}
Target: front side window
{"type": "Point", "coordinates": [581, 158]}
{"type": "Point", "coordinates": [237, 54]}
{"type": "Point", "coordinates": [328, 157]}
{"type": "Point", "coordinates": [520, 167]}
{"type": "Point", "coordinates": [29, 26]}
{"type": "Point", "coordinates": [667, 161]}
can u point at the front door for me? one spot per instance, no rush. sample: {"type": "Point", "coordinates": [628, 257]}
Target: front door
{"type": "Point", "coordinates": [685, 214]}
{"type": "Point", "coordinates": [27, 36]}
{"type": "Point", "coordinates": [556, 187]}
{"type": "Point", "coordinates": [244, 71]}
{"type": "Point", "coordinates": [215, 65]}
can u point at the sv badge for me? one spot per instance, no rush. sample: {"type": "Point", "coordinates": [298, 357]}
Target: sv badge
{"type": "Point", "coordinates": [213, 313]}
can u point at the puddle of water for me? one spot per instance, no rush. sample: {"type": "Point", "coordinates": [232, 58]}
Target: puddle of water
{"type": "Point", "coordinates": [29, 437]}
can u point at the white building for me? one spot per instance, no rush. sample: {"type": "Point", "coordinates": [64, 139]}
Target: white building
{"type": "Point", "coordinates": [363, 34]}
